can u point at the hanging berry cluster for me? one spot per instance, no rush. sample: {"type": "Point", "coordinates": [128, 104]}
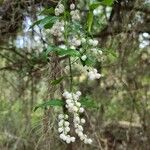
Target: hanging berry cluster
{"type": "Point", "coordinates": [74, 107]}
{"type": "Point", "coordinates": [86, 46]}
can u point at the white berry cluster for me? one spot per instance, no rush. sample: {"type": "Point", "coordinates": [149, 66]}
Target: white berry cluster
{"type": "Point", "coordinates": [93, 74]}
{"type": "Point", "coordinates": [75, 14]}
{"type": "Point", "coordinates": [96, 51]}
{"type": "Point", "coordinates": [74, 41]}
{"type": "Point", "coordinates": [74, 107]}
{"type": "Point", "coordinates": [59, 9]}
{"type": "Point", "coordinates": [78, 122]}
{"type": "Point", "coordinates": [72, 103]}
{"type": "Point", "coordinates": [63, 129]}
{"type": "Point", "coordinates": [84, 57]}
{"type": "Point", "coordinates": [57, 29]}
{"type": "Point", "coordinates": [83, 40]}
{"type": "Point", "coordinates": [93, 42]}
{"type": "Point", "coordinates": [72, 6]}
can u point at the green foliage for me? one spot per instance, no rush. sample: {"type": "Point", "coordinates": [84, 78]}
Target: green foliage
{"type": "Point", "coordinates": [46, 22]}
{"type": "Point", "coordinates": [107, 2]}
{"type": "Point", "coordinates": [47, 11]}
{"type": "Point", "coordinates": [88, 102]}
{"type": "Point", "coordinates": [62, 52]}
{"type": "Point", "coordinates": [101, 2]}
{"type": "Point", "coordinates": [112, 55]}
{"type": "Point", "coordinates": [93, 6]}
{"type": "Point", "coordinates": [68, 52]}
{"type": "Point", "coordinates": [57, 81]}
{"type": "Point", "coordinates": [88, 62]}
{"type": "Point", "coordinates": [90, 20]}
{"type": "Point", "coordinates": [52, 102]}
{"type": "Point", "coordinates": [85, 102]}
{"type": "Point", "coordinates": [74, 27]}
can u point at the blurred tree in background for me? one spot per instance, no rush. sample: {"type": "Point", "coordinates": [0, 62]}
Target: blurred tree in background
{"type": "Point", "coordinates": [121, 119]}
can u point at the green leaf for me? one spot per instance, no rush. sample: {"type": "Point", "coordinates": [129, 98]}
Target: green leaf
{"type": "Point", "coordinates": [94, 5]}
{"type": "Point", "coordinates": [57, 81]}
{"type": "Point", "coordinates": [47, 21]}
{"type": "Point", "coordinates": [90, 20]}
{"type": "Point", "coordinates": [87, 62]}
{"type": "Point", "coordinates": [35, 23]}
{"type": "Point", "coordinates": [111, 54]}
{"type": "Point", "coordinates": [76, 26]}
{"type": "Point", "coordinates": [47, 11]}
{"type": "Point", "coordinates": [66, 15]}
{"type": "Point", "coordinates": [85, 102]}
{"type": "Point", "coordinates": [68, 52]}
{"type": "Point", "coordinates": [62, 52]}
{"type": "Point", "coordinates": [101, 2]}
{"type": "Point", "coordinates": [107, 2]}
{"type": "Point", "coordinates": [50, 48]}
{"type": "Point", "coordinates": [88, 103]}
{"type": "Point", "coordinates": [52, 102]}
{"type": "Point", "coordinates": [48, 25]}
